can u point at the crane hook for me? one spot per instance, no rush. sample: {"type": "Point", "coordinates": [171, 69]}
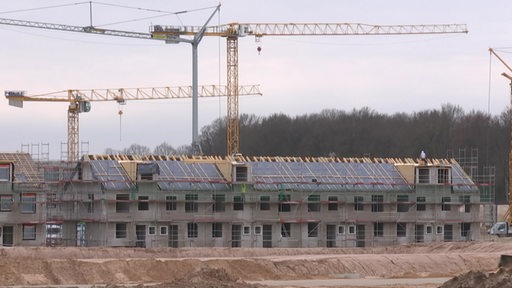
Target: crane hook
{"type": "Point", "coordinates": [120, 112]}
{"type": "Point", "coordinates": [259, 50]}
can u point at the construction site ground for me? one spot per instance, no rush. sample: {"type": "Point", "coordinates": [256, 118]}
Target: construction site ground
{"type": "Point", "coordinates": [418, 265]}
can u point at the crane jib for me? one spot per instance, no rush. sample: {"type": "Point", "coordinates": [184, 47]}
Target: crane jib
{"type": "Point", "coordinates": [232, 31]}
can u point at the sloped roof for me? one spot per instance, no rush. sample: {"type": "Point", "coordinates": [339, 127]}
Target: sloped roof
{"type": "Point", "coordinates": [461, 182]}
{"type": "Point", "coordinates": [25, 169]}
{"type": "Point", "coordinates": [173, 175]}
{"type": "Point", "coordinates": [185, 173]}
{"type": "Point", "coordinates": [178, 175]}
{"type": "Point", "coordinates": [327, 176]}
{"type": "Point", "coordinates": [111, 175]}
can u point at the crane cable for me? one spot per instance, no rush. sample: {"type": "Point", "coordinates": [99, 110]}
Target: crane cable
{"type": "Point", "coordinates": [120, 112]}
{"type": "Point", "coordinates": [218, 49]}
{"type": "Point", "coordinates": [44, 7]}
{"type": "Point", "coordinates": [165, 13]}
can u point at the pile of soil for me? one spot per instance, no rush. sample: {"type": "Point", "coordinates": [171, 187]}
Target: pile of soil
{"type": "Point", "coordinates": [230, 267]}
{"type": "Point", "coordinates": [500, 279]}
{"type": "Point", "coordinates": [203, 278]}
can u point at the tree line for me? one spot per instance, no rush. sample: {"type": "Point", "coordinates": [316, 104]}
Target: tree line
{"type": "Point", "coordinates": [441, 133]}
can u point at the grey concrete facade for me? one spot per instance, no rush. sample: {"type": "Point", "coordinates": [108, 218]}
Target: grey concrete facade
{"type": "Point", "coordinates": [156, 201]}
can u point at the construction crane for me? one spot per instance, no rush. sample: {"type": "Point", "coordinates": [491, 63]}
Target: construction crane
{"type": "Point", "coordinates": [80, 101]}
{"type": "Point", "coordinates": [119, 33]}
{"type": "Point", "coordinates": [233, 31]}
{"type": "Point", "coordinates": [508, 216]}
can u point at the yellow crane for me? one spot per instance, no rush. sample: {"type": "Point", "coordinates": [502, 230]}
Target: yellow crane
{"type": "Point", "coordinates": [233, 31]}
{"type": "Point", "coordinates": [79, 101]}
{"type": "Point", "coordinates": [119, 33]}
{"type": "Point", "coordinates": [508, 216]}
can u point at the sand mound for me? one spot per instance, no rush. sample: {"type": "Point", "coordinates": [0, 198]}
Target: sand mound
{"type": "Point", "coordinates": [230, 267]}
{"type": "Point", "coordinates": [501, 279]}
{"type": "Point", "coordinates": [203, 278]}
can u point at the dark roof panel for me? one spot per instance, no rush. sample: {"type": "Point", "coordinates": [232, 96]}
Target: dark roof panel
{"type": "Point", "coordinates": [461, 181]}
{"type": "Point", "coordinates": [178, 175]}
{"type": "Point", "coordinates": [328, 176]}
{"type": "Point", "coordinates": [111, 174]}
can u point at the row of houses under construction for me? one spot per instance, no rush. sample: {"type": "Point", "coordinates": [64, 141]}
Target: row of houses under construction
{"type": "Point", "coordinates": [236, 201]}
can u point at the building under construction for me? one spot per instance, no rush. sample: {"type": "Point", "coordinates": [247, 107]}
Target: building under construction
{"type": "Point", "coordinates": [238, 201]}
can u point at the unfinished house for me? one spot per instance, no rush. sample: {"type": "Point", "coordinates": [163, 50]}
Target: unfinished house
{"type": "Point", "coordinates": [172, 201]}
{"type": "Point", "coordinates": [22, 198]}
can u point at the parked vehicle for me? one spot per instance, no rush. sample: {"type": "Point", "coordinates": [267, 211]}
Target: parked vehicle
{"type": "Point", "coordinates": [501, 229]}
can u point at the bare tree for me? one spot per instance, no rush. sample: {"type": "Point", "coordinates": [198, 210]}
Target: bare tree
{"type": "Point", "coordinates": [136, 149]}
{"type": "Point", "coordinates": [164, 149]}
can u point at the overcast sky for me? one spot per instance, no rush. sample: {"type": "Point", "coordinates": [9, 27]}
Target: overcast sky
{"type": "Point", "coordinates": [297, 75]}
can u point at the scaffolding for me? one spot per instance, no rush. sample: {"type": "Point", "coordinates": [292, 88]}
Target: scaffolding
{"type": "Point", "coordinates": [39, 152]}
{"type": "Point", "coordinates": [84, 150]}
{"type": "Point", "coordinates": [484, 176]}
{"type": "Point", "coordinates": [191, 201]}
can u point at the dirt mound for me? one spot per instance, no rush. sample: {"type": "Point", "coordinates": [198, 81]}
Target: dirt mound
{"type": "Point", "coordinates": [203, 278]}
{"type": "Point", "coordinates": [217, 252]}
{"type": "Point", "coordinates": [229, 267]}
{"type": "Point", "coordinates": [501, 279]}
{"type": "Point", "coordinates": [209, 278]}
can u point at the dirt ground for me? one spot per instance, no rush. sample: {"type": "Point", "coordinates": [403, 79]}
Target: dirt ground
{"type": "Point", "coordinates": [257, 267]}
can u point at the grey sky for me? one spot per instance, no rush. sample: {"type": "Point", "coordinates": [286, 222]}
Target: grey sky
{"type": "Point", "coordinates": [298, 75]}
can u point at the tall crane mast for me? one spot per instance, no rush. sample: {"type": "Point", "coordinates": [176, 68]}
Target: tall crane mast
{"type": "Point", "coordinates": [79, 102]}
{"type": "Point", "coordinates": [119, 33]}
{"type": "Point", "coordinates": [233, 31]}
{"type": "Point", "coordinates": [509, 194]}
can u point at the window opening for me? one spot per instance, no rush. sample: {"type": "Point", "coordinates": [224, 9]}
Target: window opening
{"type": "Point", "coordinates": [401, 229]}
{"type": "Point", "coordinates": [5, 172]}
{"type": "Point", "coordinates": [241, 173]}
{"type": "Point", "coordinates": [402, 203]}
{"type": "Point", "coordinates": [314, 203]}
{"type": "Point", "coordinates": [423, 176]}
{"type": "Point", "coordinates": [443, 176]}
{"type": "Point", "coordinates": [264, 203]}
{"type": "Point", "coordinates": [143, 204]}
{"type": "Point", "coordinates": [377, 203]}
{"type": "Point", "coordinates": [378, 229]}
{"type": "Point", "coordinates": [5, 203]}
{"type": "Point", "coordinates": [238, 203]}
{"type": "Point", "coordinates": [192, 230]}
{"type": "Point", "coordinates": [420, 203]}
{"type": "Point", "coordinates": [285, 230]}
{"type": "Point", "coordinates": [219, 203]}
{"type": "Point", "coordinates": [358, 203]}
{"type": "Point", "coordinates": [170, 202]}
{"type": "Point", "coordinates": [217, 230]}
{"type": "Point", "coordinates": [332, 204]}
{"type": "Point", "coordinates": [284, 205]}
{"type": "Point", "coordinates": [121, 230]}
{"type": "Point", "coordinates": [191, 203]}
{"type": "Point", "coordinates": [122, 203]}
{"type": "Point", "coordinates": [313, 229]}
{"type": "Point", "coordinates": [445, 206]}
{"type": "Point", "coordinates": [28, 203]}
{"type": "Point", "coordinates": [29, 232]}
